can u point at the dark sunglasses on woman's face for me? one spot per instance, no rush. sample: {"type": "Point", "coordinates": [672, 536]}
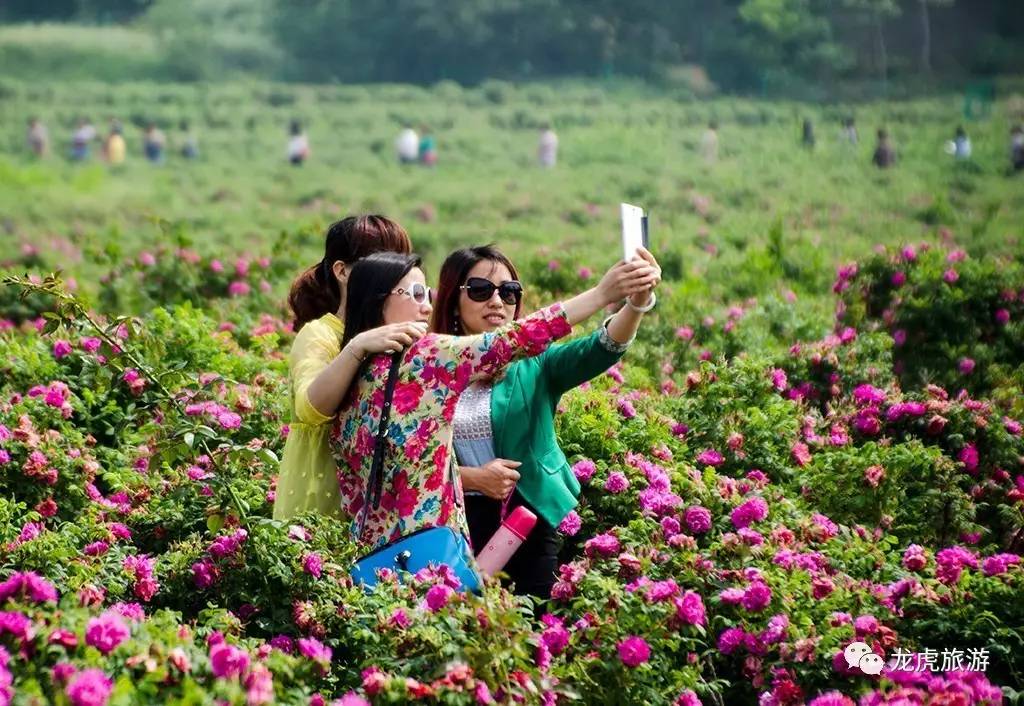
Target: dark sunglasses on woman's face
{"type": "Point", "coordinates": [419, 293]}
{"type": "Point", "coordinates": [480, 290]}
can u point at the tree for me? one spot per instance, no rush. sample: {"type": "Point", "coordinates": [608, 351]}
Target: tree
{"type": "Point", "coordinates": [876, 13]}
{"type": "Point", "coordinates": [926, 31]}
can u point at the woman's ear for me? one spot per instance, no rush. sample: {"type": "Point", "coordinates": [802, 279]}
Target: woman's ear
{"type": "Point", "coordinates": [340, 271]}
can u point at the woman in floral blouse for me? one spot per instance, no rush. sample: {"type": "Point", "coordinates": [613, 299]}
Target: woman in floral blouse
{"type": "Point", "coordinates": [421, 484]}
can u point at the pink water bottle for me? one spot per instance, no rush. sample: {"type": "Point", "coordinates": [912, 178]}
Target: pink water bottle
{"type": "Point", "coordinates": [504, 543]}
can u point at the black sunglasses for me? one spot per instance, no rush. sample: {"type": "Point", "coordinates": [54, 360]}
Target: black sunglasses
{"type": "Point", "coordinates": [480, 290]}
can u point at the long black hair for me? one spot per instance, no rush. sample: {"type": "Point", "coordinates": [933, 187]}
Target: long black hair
{"type": "Point", "coordinates": [371, 280]}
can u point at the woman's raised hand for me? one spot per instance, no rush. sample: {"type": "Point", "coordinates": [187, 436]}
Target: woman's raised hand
{"type": "Point", "coordinates": [388, 338]}
{"type": "Point", "coordinates": [642, 297]}
{"type": "Point", "coordinates": [625, 279]}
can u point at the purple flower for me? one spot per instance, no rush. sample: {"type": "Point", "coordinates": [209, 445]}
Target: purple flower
{"type": "Point", "coordinates": [315, 650]}
{"type": "Point", "coordinates": [312, 564]}
{"type": "Point", "coordinates": [697, 519]}
{"type": "Point", "coordinates": [710, 457]}
{"type": "Point", "coordinates": [757, 597]}
{"type": "Point", "coordinates": [950, 276]}
{"type": "Point", "coordinates": [1002, 316]}
{"type": "Point", "coordinates": [30, 584]}
{"type": "Point", "coordinates": [865, 625]}
{"type": "Point", "coordinates": [228, 661]}
{"type": "Point", "coordinates": [914, 558]}
{"type": "Point", "coordinates": [690, 609]}
{"type": "Point", "coordinates": [61, 348]}
{"type": "Point", "coordinates": [832, 698]}
{"type": "Point", "coordinates": [437, 597]}
{"type": "Point", "coordinates": [688, 698]}
{"type": "Point", "coordinates": [606, 544]}
{"type": "Point", "coordinates": [106, 632]}
{"type": "Point", "coordinates": [634, 651]}
{"type": "Point", "coordinates": [966, 366]}
{"type": "Point", "coordinates": [998, 564]}
{"type": "Point", "coordinates": [730, 639]}
{"type": "Point", "coordinates": [616, 483]}
{"type": "Point", "coordinates": [898, 278]}
{"type": "Point", "coordinates": [969, 457]}
{"type": "Point", "coordinates": [867, 394]}
{"type": "Point", "coordinates": [570, 524]}
{"type": "Point", "coordinates": [90, 687]}
{"type": "Point", "coordinates": [626, 409]}
{"type": "Point", "coordinates": [753, 510]}
{"type": "Point", "coordinates": [779, 380]}
{"type": "Point", "coordinates": [584, 470]}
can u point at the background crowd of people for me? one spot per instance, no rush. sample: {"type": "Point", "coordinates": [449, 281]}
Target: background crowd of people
{"type": "Point", "coordinates": [421, 147]}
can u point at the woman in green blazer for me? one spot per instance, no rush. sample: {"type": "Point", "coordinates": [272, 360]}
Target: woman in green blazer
{"type": "Point", "coordinates": [505, 430]}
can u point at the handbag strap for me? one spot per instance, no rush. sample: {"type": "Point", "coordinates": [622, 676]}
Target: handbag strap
{"type": "Point", "coordinates": [375, 483]}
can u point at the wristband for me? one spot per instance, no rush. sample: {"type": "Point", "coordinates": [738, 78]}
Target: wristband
{"type": "Point", "coordinates": [646, 307]}
{"type": "Point", "coordinates": [352, 353]}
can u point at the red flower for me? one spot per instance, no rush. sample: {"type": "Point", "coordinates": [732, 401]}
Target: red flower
{"type": "Point", "coordinates": [407, 396]}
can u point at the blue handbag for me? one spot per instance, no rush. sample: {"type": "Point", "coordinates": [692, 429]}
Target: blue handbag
{"type": "Point", "coordinates": [430, 546]}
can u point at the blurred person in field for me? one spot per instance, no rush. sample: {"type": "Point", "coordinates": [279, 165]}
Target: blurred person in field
{"type": "Point", "coordinates": [709, 143]}
{"type": "Point", "coordinates": [808, 134]}
{"type": "Point", "coordinates": [407, 145]}
{"type": "Point", "coordinates": [114, 147]}
{"type": "Point", "coordinates": [960, 145]}
{"type": "Point", "coordinates": [81, 139]}
{"type": "Point", "coordinates": [38, 137]}
{"type": "Point", "coordinates": [428, 148]}
{"type": "Point", "coordinates": [189, 147]}
{"type": "Point", "coordinates": [153, 143]}
{"type": "Point", "coordinates": [321, 369]}
{"type": "Point", "coordinates": [849, 132]}
{"type": "Point", "coordinates": [885, 154]}
{"type": "Point", "coordinates": [1017, 148]}
{"type": "Point", "coordinates": [547, 147]}
{"type": "Point", "coordinates": [298, 144]}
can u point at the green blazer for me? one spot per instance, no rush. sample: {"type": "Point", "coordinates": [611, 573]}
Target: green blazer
{"type": "Point", "coordinates": [523, 406]}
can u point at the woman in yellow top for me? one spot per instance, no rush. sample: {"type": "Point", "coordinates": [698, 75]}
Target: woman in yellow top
{"type": "Point", "coordinates": [321, 370]}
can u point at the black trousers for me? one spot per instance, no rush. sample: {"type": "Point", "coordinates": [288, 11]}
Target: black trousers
{"type": "Point", "coordinates": [533, 567]}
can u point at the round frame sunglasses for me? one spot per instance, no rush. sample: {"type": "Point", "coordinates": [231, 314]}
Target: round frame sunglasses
{"type": "Point", "coordinates": [480, 290]}
{"type": "Point", "coordinates": [419, 293]}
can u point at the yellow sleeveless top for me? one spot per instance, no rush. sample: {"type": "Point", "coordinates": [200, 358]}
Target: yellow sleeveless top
{"type": "Point", "coordinates": [308, 478]}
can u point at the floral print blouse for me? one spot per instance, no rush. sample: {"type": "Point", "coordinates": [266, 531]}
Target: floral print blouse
{"type": "Point", "coordinates": [421, 481]}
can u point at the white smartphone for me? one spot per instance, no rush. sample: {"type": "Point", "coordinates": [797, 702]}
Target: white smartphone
{"type": "Point", "coordinates": [634, 230]}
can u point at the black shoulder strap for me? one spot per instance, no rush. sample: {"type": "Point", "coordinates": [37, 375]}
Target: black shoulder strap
{"type": "Point", "coordinates": [375, 483]}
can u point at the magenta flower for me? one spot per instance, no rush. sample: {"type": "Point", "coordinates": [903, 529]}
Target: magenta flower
{"type": "Point", "coordinates": [697, 519]}
{"type": "Point", "coordinates": [730, 639]}
{"type": "Point", "coordinates": [950, 276]}
{"type": "Point", "coordinates": [438, 596]}
{"type": "Point", "coordinates": [616, 483]}
{"type": "Point", "coordinates": [690, 609]}
{"type": "Point", "coordinates": [753, 510]}
{"type": "Point", "coordinates": [898, 278]}
{"type": "Point", "coordinates": [832, 698]}
{"type": "Point", "coordinates": [867, 394]}
{"type": "Point", "coordinates": [998, 564]}
{"type": "Point", "coordinates": [915, 558]}
{"type": "Point", "coordinates": [634, 651]}
{"type": "Point", "coordinates": [106, 632]}
{"type": "Point", "coordinates": [61, 348]}
{"type": "Point", "coordinates": [688, 698]}
{"type": "Point", "coordinates": [228, 661]}
{"type": "Point", "coordinates": [684, 333]}
{"type": "Point", "coordinates": [604, 544]}
{"type": "Point", "coordinates": [312, 564]}
{"type": "Point", "coordinates": [757, 597]}
{"type": "Point", "coordinates": [584, 470]}
{"type": "Point", "coordinates": [626, 409]}
{"type": "Point", "coordinates": [801, 454]}
{"type": "Point", "coordinates": [969, 457]}
{"type": "Point", "coordinates": [313, 649]}
{"type": "Point", "coordinates": [779, 380]}
{"type": "Point", "coordinates": [966, 366]}
{"type": "Point", "coordinates": [90, 687]}
{"type": "Point", "coordinates": [28, 584]}
{"type": "Point", "coordinates": [570, 524]}
{"type": "Point", "coordinates": [1002, 316]}
{"type": "Point", "coordinates": [710, 457]}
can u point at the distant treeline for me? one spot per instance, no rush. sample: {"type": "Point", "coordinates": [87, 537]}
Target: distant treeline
{"type": "Point", "coordinates": [746, 45]}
